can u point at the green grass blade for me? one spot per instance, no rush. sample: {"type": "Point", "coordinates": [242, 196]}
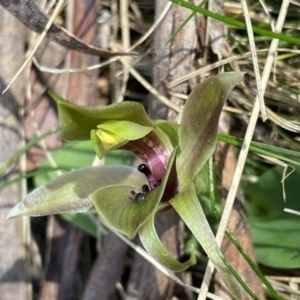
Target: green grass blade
{"type": "Point", "coordinates": [184, 23]}
{"type": "Point", "coordinates": [269, 150]}
{"type": "Point", "coordinates": [39, 171]}
{"type": "Point", "coordinates": [253, 266]}
{"type": "Point", "coordinates": [212, 190]}
{"type": "Point", "coordinates": [238, 24]}
{"type": "Point", "coordinates": [24, 149]}
{"type": "Point", "coordinates": [239, 279]}
{"type": "Point", "coordinates": [250, 262]}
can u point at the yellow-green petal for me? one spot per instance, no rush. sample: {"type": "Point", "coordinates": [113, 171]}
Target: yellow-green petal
{"type": "Point", "coordinates": [126, 130]}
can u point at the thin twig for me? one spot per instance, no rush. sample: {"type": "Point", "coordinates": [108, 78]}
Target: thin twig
{"type": "Point", "coordinates": [38, 42]}
{"type": "Point", "coordinates": [205, 69]}
{"type": "Point", "coordinates": [109, 61]}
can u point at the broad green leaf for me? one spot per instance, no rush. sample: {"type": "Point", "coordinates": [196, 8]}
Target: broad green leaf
{"type": "Point", "coordinates": [78, 121]}
{"type": "Point", "coordinates": [275, 233]}
{"type": "Point", "coordinates": [276, 241]}
{"type": "Point", "coordinates": [73, 155]}
{"type": "Point", "coordinates": [201, 180]}
{"type": "Point", "coordinates": [120, 209]}
{"type": "Point", "coordinates": [156, 249]}
{"type": "Point", "coordinates": [81, 221]}
{"type": "Point", "coordinates": [72, 192]}
{"type": "Point", "coordinates": [189, 208]}
{"type": "Point", "coordinates": [199, 123]}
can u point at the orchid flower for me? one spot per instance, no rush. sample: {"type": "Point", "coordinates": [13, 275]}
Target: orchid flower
{"type": "Point", "coordinates": [128, 198]}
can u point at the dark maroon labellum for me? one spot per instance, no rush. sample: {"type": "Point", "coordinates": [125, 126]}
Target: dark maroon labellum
{"type": "Point", "coordinates": [139, 197]}
{"type": "Point", "coordinates": [143, 168]}
{"type": "Point", "coordinates": [145, 188]}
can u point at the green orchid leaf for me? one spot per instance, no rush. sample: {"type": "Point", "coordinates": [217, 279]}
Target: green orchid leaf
{"type": "Point", "coordinates": [71, 156]}
{"type": "Point", "coordinates": [199, 123]}
{"type": "Point", "coordinates": [189, 208]}
{"type": "Point", "coordinates": [72, 192]}
{"type": "Point", "coordinates": [78, 121]}
{"type": "Point", "coordinates": [275, 233]}
{"type": "Point", "coordinates": [201, 181]}
{"type": "Point", "coordinates": [125, 208]}
{"type": "Point", "coordinates": [156, 249]}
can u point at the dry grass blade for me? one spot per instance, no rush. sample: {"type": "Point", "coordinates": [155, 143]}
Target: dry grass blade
{"type": "Point", "coordinates": [210, 67]}
{"type": "Point", "coordinates": [32, 17]}
{"type": "Point", "coordinates": [291, 126]}
{"type": "Point", "coordinates": [28, 13]}
{"type": "Point", "coordinates": [254, 58]}
{"type": "Point", "coordinates": [220, 63]}
{"type": "Point", "coordinates": [149, 87]}
{"type": "Point", "coordinates": [293, 293]}
{"type": "Point", "coordinates": [292, 211]}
